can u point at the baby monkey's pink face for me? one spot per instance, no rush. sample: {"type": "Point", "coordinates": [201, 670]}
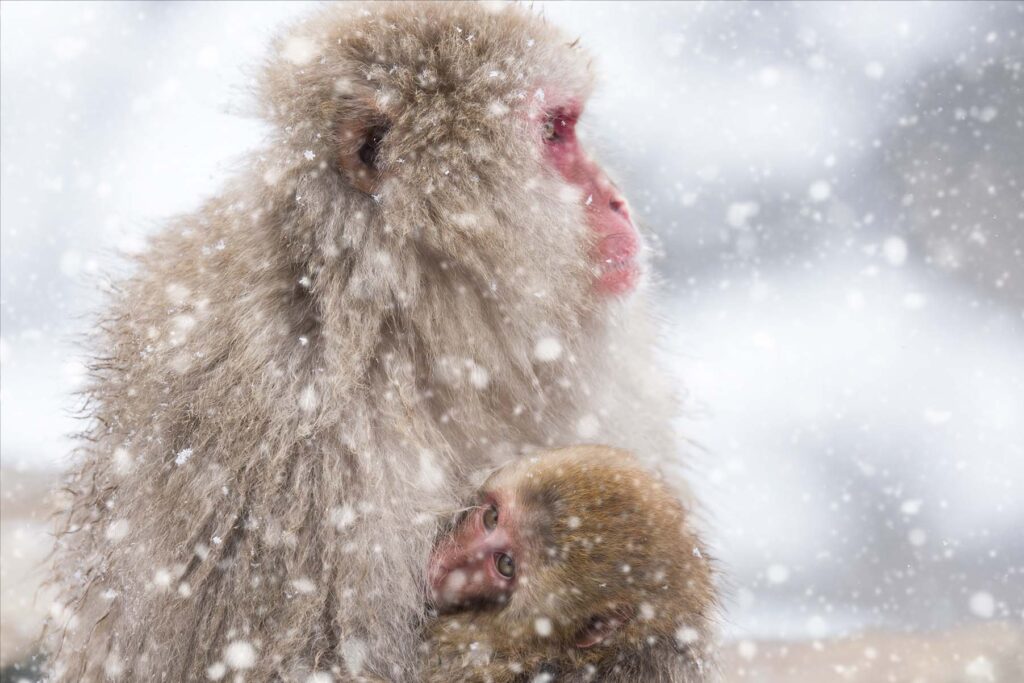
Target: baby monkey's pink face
{"type": "Point", "coordinates": [480, 560]}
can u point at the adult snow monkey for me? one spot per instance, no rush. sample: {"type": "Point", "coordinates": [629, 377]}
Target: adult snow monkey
{"type": "Point", "coordinates": [421, 275]}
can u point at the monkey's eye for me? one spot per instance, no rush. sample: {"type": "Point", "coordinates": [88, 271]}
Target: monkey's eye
{"type": "Point", "coordinates": [371, 146]}
{"type": "Point", "coordinates": [557, 126]}
{"type": "Point", "coordinates": [550, 130]}
{"type": "Point", "coordinates": [490, 518]}
{"type": "Point", "coordinates": [505, 565]}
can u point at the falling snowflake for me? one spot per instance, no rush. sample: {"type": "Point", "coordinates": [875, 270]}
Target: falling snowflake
{"type": "Point", "coordinates": [182, 457]}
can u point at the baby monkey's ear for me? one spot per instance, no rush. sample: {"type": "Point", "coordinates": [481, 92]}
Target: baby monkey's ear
{"type": "Point", "coordinates": [603, 626]}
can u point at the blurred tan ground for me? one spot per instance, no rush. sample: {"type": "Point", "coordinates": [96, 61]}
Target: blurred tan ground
{"type": "Point", "coordinates": [987, 652]}
{"type": "Point", "coordinates": [982, 653]}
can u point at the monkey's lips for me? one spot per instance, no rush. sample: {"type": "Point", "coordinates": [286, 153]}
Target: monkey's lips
{"type": "Point", "coordinates": [618, 270]}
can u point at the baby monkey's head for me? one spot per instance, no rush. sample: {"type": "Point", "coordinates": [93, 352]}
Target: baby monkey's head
{"type": "Point", "coordinates": [573, 548]}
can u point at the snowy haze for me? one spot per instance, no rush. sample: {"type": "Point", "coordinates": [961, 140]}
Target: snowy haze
{"type": "Point", "coordinates": [835, 194]}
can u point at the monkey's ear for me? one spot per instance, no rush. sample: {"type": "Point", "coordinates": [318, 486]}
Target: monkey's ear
{"type": "Point", "coordinates": [602, 626]}
{"type": "Point", "coordinates": [361, 157]}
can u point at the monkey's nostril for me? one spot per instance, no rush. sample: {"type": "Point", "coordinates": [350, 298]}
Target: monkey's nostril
{"type": "Point", "coordinates": [618, 205]}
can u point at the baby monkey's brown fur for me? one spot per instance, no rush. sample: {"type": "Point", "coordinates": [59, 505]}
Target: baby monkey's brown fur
{"type": "Point", "coordinates": [618, 584]}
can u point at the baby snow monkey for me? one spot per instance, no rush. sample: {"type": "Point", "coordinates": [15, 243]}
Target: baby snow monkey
{"type": "Point", "coordinates": [573, 565]}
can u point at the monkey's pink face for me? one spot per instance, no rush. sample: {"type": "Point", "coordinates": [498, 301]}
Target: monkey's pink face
{"type": "Point", "coordinates": [617, 241]}
{"type": "Point", "coordinates": [479, 561]}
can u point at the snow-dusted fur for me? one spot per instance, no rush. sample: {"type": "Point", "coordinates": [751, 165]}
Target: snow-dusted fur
{"type": "Point", "coordinates": [301, 376]}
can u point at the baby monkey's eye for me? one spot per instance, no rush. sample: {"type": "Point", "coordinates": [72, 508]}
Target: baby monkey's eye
{"type": "Point", "coordinates": [490, 518]}
{"type": "Point", "coordinates": [505, 565]}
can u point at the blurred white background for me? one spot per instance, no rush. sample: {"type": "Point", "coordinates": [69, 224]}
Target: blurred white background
{"type": "Point", "coordinates": [836, 196]}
